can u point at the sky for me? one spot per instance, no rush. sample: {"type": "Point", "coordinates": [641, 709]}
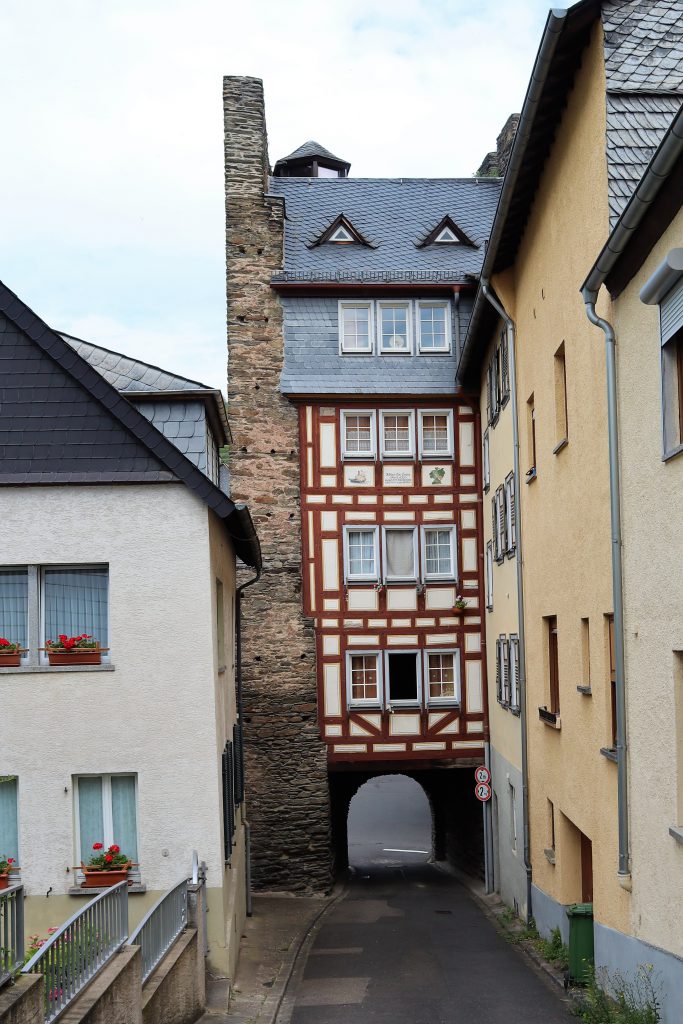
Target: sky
{"type": "Point", "coordinates": [112, 197]}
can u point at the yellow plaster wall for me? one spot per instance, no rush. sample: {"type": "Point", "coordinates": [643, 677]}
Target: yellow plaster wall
{"type": "Point", "coordinates": [505, 732]}
{"type": "Point", "coordinates": [565, 511]}
{"type": "Point", "coordinates": [653, 613]}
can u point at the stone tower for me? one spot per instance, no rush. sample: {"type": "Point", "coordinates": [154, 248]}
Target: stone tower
{"type": "Point", "coordinates": [284, 756]}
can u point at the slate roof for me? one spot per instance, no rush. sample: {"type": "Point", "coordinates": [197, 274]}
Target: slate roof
{"type": "Point", "coordinates": [643, 46]}
{"type": "Point", "coordinates": [311, 149]}
{"type": "Point", "coordinates": [394, 215]}
{"type": "Point", "coordinates": [127, 374]}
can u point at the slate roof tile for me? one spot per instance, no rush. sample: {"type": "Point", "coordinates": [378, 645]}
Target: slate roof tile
{"type": "Point", "coordinates": [128, 374]}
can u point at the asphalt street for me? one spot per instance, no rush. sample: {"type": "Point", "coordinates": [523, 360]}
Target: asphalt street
{"type": "Point", "coordinates": [408, 944]}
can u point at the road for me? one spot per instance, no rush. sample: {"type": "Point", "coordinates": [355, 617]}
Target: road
{"type": "Point", "coordinates": [409, 945]}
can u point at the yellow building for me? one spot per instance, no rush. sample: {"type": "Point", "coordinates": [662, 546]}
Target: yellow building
{"type": "Point", "coordinates": [581, 146]}
{"type": "Point", "coordinates": [642, 268]}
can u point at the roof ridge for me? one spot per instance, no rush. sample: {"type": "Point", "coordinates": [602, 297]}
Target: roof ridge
{"type": "Point", "coordinates": [134, 359]}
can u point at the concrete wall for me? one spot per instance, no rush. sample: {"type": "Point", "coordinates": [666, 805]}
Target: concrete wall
{"type": "Point", "coordinates": [653, 610]}
{"type": "Point", "coordinates": [172, 995]}
{"type": "Point", "coordinates": [565, 510]}
{"type": "Point", "coordinates": [114, 997]}
{"type": "Point", "coordinates": [285, 759]}
{"type": "Point", "coordinates": [155, 708]}
{"type": "Point", "coordinates": [22, 1003]}
{"type": "Point", "coordinates": [509, 870]}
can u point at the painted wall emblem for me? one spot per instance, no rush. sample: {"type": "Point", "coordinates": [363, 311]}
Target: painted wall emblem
{"type": "Point", "coordinates": [436, 475]}
{"type": "Point", "coordinates": [398, 476]}
{"type": "Point", "coordinates": [359, 476]}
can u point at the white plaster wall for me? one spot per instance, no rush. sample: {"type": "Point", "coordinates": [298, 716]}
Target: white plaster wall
{"type": "Point", "coordinates": [651, 493]}
{"type": "Point", "coordinates": [154, 714]}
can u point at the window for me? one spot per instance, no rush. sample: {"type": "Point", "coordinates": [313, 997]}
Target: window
{"type": "Point", "coordinates": [499, 524]}
{"type": "Point", "coordinates": [672, 392]}
{"type": "Point", "coordinates": [502, 671]}
{"type": "Point", "coordinates": [486, 461]}
{"type": "Point", "coordinates": [489, 575]}
{"type": "Point", "coordinates": [513, 659]}
{"type": "Point", "coordinates": [553, 665]}
{"type": "Point", "coordinates": [75, 601]}
{"type": "Point", "coordinates": [403, 677]}
{"type": "Point", "coordinates": [442, 670]}
{"type": "Point", "coordinates": [360, 554]}
{"type": "Point", "coordinates": [665, 289]}
{"type": "Point", "coordinates": [342, 234]}
{"type": "Point", "coordinates": [14, 605]}
{"type": "Point", "coordinates": [220, 625]}
{"type": "Point", "coordinates": [510, 515]}
{"type": "Point", "coordinates": [585, 654]}
{"type": "Point", "coordinates": [561, 422]}
{"type": "Point", "coordinates": [513, 817]}
{"type": "Point", "coordinates": [400, 553]}
{"type": "Point", "coordinates": [551, 825]}
{"type": "Point", "coordinates": [504, 364]}
{"type": "Point", "coordinates": [436, 434]}
{"type": "Point", "coordinates": [438, 552]}
{"type": "Point", "coordinates": [9, 818]}
{"type": "Point", "coordinates": [493, 389]}
{"type": "Point", "coordinates": [358, 435]}
{"type": "Point", "coordinates": [355, 327]}
{"type": "Point", "coordinates": [213, 460]}
{"type": "Point", "coordinates": [395, 327]}
{"type": "Point", "coordinates": [398, 435]}
{"type": "Point", "coordinates": [363, 678]}
{"type": "Point", "coordinates": [228, 776]}
{"type": "Point", "coordinates": [446, 237]}
{"type": "Point", "coordinates": [434, 327]}
{"type": "Point", "coordinates": [531, 437]}
{"type": "Point", "coordinates": [106, 813]}
{"type": "Point", "coordinates": [612, 681]}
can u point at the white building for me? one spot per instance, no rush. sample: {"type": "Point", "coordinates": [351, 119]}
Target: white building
{"type": "Point", "coordinates": [116, 523]}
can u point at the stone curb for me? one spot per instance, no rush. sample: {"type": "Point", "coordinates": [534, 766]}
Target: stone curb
{"type": "Point", "coordinates": [293, 970]}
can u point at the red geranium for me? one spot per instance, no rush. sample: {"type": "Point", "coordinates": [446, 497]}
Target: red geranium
{"type": "Point", "coordinates": [114, 848]}
{"type": "Point", "coordinates": [97, 846]}
{"type": "Point", "coordinates": [3, 642]}
{"type": "Point", "coordinates": [108, 857]}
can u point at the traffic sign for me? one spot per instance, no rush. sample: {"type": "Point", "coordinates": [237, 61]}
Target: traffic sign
{"type": "Point", "coordinates": [482, 791]}
{"type": "Point", "coordinates": [482, 774]}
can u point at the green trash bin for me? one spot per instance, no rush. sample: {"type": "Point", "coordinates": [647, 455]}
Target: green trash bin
{"type": "Point", "coordinates": [581, 952]}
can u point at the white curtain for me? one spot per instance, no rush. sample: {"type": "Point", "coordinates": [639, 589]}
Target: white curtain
{"type": "Point", "coordinates": [90, 815]}
{"type": "Point", "coordinates": [400, 554]}
{"type": "Point", "coordinates": [123, 814]}
{"type": "Point", "coordinates": [9, 832]}
{"type": "Point", "coordinates": [14, 605]}
{"type": "Point", "coordinates": [76, 602]}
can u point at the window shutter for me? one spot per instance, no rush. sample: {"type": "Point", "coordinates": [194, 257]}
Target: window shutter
{"type": "Point", "coordinates": [489, 395]}
{"type": "Point", "coordinates": [505, 657]}
{"type": "Point", "coordinates": [511, 514]}
{"type": "Point", "coordinates": [514, 672]}
{"type": "Point", "coordinates": [500, 524]}
{"type": "Point", "coordinates": [499, 674]}
{"type": "Point", "coordinates": [505, 365]}
{"type": "Point", "coordinates": [238, 741]}
{"type": "Point", "coordinates": [494, 511]}
{"type": "Point", "coordinates": [228, 800]}
{"type": "Point", "coordinates": [671, 312]}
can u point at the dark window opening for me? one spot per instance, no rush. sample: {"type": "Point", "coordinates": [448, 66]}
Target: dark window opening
{"type": "Point", "coordinates": [402, 678]}
{"type": "Point", "coordinates": [553, 664]}
{"type": "Point", "coordinates": [612, 681]}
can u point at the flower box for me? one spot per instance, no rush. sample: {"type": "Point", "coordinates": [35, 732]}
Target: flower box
{"type": "Point", "coordinates": [98, 879]}
{"type": "Point", "coordinates": [8, 866]}
{"type": "Point", "coordinates": [76, 656]}
{"type": "Point", "coordinates": [12, 659]}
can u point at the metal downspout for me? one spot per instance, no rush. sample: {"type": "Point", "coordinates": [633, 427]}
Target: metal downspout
{"type": "Point", "coordinates": [238, 687]}
{"type": "Point", "coordinates": [511, 337]}
{"type": "Point", "coordinates": [617, 586]}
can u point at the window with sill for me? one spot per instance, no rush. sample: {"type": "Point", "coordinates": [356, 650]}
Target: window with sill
{"type": "Point", "coordinates": [361, 561]}
{"type": "Point", "coordinates": [394, 327]}
{"type": "Point", "coordinates": [434, 327]}
{"type": "Point", "coordinates": [355, 327]}
{"type": "Point", "coordinates": [665, 289]}
{"type": "Point", "coordinates": [403, 678]}
{"type": "Point", "coordinates": [399, 553]}
{"type": "Point", "coordinates": [553, 665]}
{"type": "Point", "coordinates": [363, 679]}
{"type": "Point", "coordinates": [442, 671]}
{"type": "Point", "coordinates": [672, 392]}
{"type": "Point", "coordinates": [436, 434]}
{"type": "Point", "coordinates": [531, 437]}
{"type": "Point", "coordinates": [358, 434]}
{"type": "Point", "coordinates": [9, 818]}
{"type": "Point", "coordinates": [438, 553]}
{"type": "Point", "coordinates": [398, 435]}
{"type": "Point", "coordinates": [106, 812]}
{"type": "Point", "coordinates": [503, 671]}
{"type": "Point", "coordinates": [38, 603]}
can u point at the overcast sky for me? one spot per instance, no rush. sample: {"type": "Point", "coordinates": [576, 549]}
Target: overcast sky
{"type": "Point", "coordinates": [112, 219]}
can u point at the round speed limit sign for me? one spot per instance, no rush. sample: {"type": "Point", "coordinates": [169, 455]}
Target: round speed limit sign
{"type": "Point", "coordinates": [482, 774]}
{"type": "Point", "coordinates": [482, 791]}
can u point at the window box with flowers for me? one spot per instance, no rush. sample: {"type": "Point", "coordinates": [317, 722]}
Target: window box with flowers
{"type": "Point", "coordinates": [460, 605]}
{"type": "Point", "coordinates": [10, 653]}
{"type": "Point", "coordinates": [74, 650]}
{"type": "Point", "coordinates": [7, 864]}
{"type": "Point", "coordinates": [106, 867]}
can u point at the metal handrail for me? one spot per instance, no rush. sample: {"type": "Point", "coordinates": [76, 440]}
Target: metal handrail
{"type": "Point", "coordinates": [11, 931]}
{"type": "Point", "coordinates": [78, 951]}
{"type": "Point", "coordinates": [160, 927]}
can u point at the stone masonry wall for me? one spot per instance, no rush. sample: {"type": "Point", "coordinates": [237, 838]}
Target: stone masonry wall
{"type": "Point", "coordinates": [285, 760]}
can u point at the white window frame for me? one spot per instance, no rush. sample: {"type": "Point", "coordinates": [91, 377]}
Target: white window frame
{"type": "Point", "coordinates": [431, 304]}
{"type": "Point", "coordinates": [486, 461]}
{"type": "Point", "coordinates": [359, 456]}
{"type": "Point", "coordinates": [499, 524]}
{"type": "Point", "coordinates": [417, 703]}
{"type": "Point", "coordinates": [41, 601]}
{"type": "Point", "coordinates": [436, 701]}
{"type": "Point", "coordinates": [513, 661]}
{"type": "Point", "coordinates": [365, 702]}
{"type": "Point", "coordinates": [361, 578]}
{"type": "Point", "coordinates": [435, 577]}
{"type": "Point", "coordinates": [404, 528]}
{"type": "Point", "coordinates": [346, 304]}
{"type": "Point", "coordinates": [388, 304]}
{"type": "Point", "coordinates": [436, 456]}
{"type": "Point", "coordinates": [107, 812]}
{"type": "Point", "coordinates": [397, 456]}
{"type": "Point", "coordinates": [489, 575]}
{"type": "Point", "coordinates": [502, 671]}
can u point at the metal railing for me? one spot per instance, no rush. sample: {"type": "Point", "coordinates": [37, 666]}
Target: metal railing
{"type": "Point", "coordinates": [11, 931]}
{"type": "Point", "coordinates": [160, 927]}
{"type": "Point", "coordinates": [71, 958]}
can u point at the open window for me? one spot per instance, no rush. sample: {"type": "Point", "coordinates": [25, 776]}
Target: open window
{"type": "Point", "coordinates": [442, 675]}
{"type": "Point", "coordinates": [403, 678]}
{"type": "Point", "coordinates": [398, 434]}
{"type": "Point", "coordinates": [400, 553]}
{"type": "Point", "coordinates": [363, 679]}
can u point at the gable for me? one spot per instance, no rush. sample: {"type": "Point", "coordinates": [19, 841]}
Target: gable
{"type": "Point", "coordinates": [53, 430]}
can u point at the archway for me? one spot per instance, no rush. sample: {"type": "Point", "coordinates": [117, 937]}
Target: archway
{"type": "Point", "coordinates": [389, 821]}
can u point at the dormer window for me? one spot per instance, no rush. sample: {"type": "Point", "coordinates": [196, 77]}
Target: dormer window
{"type": "Point", "coordinates": [341, 231]}
{"type": "Point", "coordinates": [342, 235]}
{"type": "Point", "coordinates": [446, 237]}
{"type": "Point", "coordinates": [446, 232]}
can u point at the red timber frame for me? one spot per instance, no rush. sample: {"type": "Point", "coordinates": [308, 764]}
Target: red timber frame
{"type": "Point", "coordinates": [446, 732]}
